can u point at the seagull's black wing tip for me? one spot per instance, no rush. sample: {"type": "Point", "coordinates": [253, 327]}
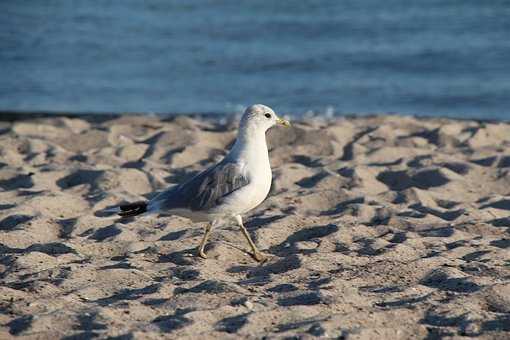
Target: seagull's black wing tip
{"type": "Point", "coordinates": [132, 209]}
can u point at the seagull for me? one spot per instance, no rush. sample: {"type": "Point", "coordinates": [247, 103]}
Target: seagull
{"type": "Point", "coordinates": [226, 190]}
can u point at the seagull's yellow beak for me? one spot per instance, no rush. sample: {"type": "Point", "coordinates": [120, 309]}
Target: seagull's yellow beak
{"type": "Point", "coordinates": [283, 122]}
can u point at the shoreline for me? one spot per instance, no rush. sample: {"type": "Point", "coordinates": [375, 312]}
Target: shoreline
{"type": "Point", "coordinates": [11, 116]}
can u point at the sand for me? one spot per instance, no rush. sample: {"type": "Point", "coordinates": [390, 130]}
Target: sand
{"type": "Point", "coordinates": [376, 228]}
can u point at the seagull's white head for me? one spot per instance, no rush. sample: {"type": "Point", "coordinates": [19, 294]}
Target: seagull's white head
{"type": "Point", "coordinates": [260, 117]}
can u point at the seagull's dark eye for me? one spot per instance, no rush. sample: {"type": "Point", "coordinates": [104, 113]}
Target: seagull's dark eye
{"type": "Point", "coordinates": [268, 115]}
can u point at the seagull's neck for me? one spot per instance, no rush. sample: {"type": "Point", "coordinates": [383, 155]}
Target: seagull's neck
{"type": "Point", "coordinates": [250, 145]}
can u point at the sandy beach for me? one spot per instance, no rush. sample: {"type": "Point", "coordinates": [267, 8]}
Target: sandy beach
{"type": "Point", "coordinates": [383, 227]}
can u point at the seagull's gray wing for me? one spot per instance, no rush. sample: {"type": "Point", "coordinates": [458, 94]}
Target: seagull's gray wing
{"type": "Point", "coordinates": [206, 190]}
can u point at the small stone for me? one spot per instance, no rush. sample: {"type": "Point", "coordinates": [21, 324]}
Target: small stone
{"type": "Point", "coordinates": [248, 304]}
{"type": "Point", "coordinates": [470, 328]}
{"type": "Point", "coordinates": [137, 247]}
{"type": "Point", "coordinates": [306, 245]}
{"type": "Point", "coordinates": [317, 330]}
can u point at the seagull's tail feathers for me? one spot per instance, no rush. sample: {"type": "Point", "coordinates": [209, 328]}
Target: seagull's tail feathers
{"type": "Point", "coordinates": [132, 209]}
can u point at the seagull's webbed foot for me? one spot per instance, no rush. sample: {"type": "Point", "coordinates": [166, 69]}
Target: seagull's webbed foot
{"type": "Point", "coordinates": [201, 253]}
{"type": "Point", "coordinates": [259, 257]}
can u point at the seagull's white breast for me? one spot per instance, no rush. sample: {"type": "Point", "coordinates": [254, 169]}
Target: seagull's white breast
{"type": "Point", "coordinates": [259, 172]}
{"type": "Point", "coordinates": [254, 162]}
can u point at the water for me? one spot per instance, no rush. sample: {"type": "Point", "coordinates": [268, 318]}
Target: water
{"type": "Point", "coordinates": [439, 58]}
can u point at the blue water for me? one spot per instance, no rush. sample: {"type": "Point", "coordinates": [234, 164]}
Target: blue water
{"type": "Point", "coordinates": [439, 58]}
